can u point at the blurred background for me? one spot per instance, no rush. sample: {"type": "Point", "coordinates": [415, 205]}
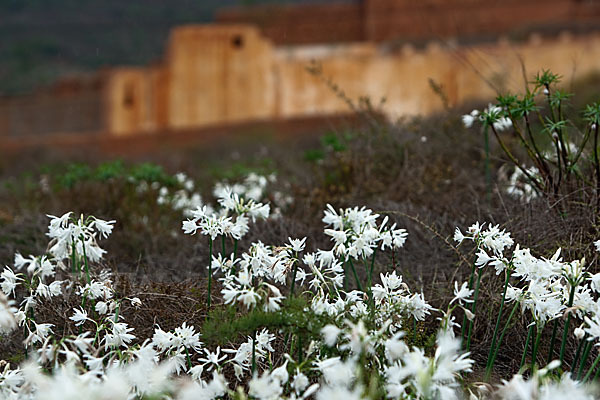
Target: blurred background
{"type": "Point", "coordinates": [88, 71]}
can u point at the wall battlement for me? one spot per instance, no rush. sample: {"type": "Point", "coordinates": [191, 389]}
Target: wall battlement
{"type": "Point", "coordinates": [420, 20]}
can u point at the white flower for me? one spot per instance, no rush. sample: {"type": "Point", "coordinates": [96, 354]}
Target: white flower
{"type": "Point", "coordinates": [297, 245]}
{"type": "Point", "coordinates": [135, 302]}
{"type": "Point", "coordinates": [300, 382]}
{"type": "Point", "coordinates": [119, 336]}
{"type": "Point", "coordinates": [79, 317]}
{"type": "Point", "coordinates": [189, 227]}
{"type": "Point", "coordinates": [458, 236]}
{"type": "Point", "coordinates": [104, 227]}
{"type": "Point", "coordinates": [39, 334]}
{"type": "Point", "coordinates": [595, 282]}
{"type": "Point", "coordinates": [482, 259]}
{"type": "Point", "coordinates": [248, 297]}
{"type": "Point", "coordinates": [9, 281]}
{"type": "Point", "coordinates": [212, 359]}
{"type": "Point", "coordinates": [265, 388]}
{"type": "Point", "coordinates": [469, 119]}
{"type": "Point", "coordinates": [101, 307]}
{"type": "Point", "coordinates": [462, 294]}
{"type": "Point", "coordinates": [8, 320]}
{"type": "Point", "coordinates": [336, 372]}
{"type": "Point", "coordinates": [330, 334]}
{"type": "Point", "coordinates": [281, 374]}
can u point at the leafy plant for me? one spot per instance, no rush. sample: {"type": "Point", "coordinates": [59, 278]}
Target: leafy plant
{"type": "Point", "coordinates": [558, 153]}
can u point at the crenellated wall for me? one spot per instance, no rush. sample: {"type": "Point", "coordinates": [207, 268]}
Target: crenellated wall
{"type": "Point", "coordinates": [402, 77]}
{"type": "Point", "coordinates": [221, 74]}
{"type": "Point", "coordinates": [294, 24]}
{"type": "Point", "coordinates": [411, 20]}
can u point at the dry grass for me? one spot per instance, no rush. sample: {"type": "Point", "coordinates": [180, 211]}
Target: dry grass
{"type": "Point", "coordinates": [427, 175]}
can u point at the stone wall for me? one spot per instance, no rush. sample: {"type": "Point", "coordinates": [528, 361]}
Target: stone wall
{"type": "Point", "coordinates": [222, 74]}
{"type": "Point", "coordinates": [403, 78]}
{"type": "Point", "coordinates": [70, 106]}
{"type": "Point", "coordinates": [217, 74]}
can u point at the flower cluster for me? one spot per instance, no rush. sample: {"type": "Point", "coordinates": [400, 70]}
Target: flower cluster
{"type": "Point", "coordinates": [355, 232]}
{"type": "Point", "coordinates": [365, 346]}
{"type": "Point", "coordinates": [493, 115]}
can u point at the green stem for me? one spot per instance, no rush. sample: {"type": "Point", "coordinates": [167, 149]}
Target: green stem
{"type": "Point", "coordinates": [189, 359]}
{"type": "Point", "coordinates": [414, 331]}
{"type": "Point", "coordinates": [372, 266]}
{"type": "Point", "coordinates": [553, 341]}
{"type": "Point", "coordinates": [474, 308]}
{"type": "Point", "coordinates": [586, 353]}
{"type": "Point", "coordinates": [493, 346]}
{"type": "Point", "coordinates": [516, 162]}
{"type": "Point", "coordinates": [370, 299]}
{"type": "Point", "coordinates": [488, 371]}
{"type": "Point", "coordinates": [563, 344]}
{"type": "Point", "coordinates": [581, 147]}
{"type": "Point", "coordinates": [294, 278]}
{"type": "Point", "coordinates": [355, 274]}
{"type": "Point", "coordinates": [529, 332]}
{"type": "Point", "coordinates": [210, 245]}
{"type": "Point", "coordinates": [85, 260]}
{"type": "Point", "coordinates": [117, 312]}
{"type": "Point", "coordinates": [592, 368]}
{"type": "Point", "coordinates": [235, 248]}
{"type": "Point", "coordinates": [596, 374]}
{"type": "Point", "coordinates": [299, 348]}
{"type": "Point", "coordinates": [536, 345]}
{"type": "Point", "coordinates": [254, 352]}
{"type": "Point", "coordinates": [465, 321]}
{"type": "Point", "coordinates": [579, 347]}
{"type": "Point", "coordinates": [488, 171]}
{"type": "Point", "coordinates": [73, 259]}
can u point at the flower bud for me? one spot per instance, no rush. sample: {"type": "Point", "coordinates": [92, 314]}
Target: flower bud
{"type": "Point", "coordinates": [553, 365]}
{"type": "Point", "coordinates": [469, 314]}
{"type": "Point", "coordinates": [579, 333]}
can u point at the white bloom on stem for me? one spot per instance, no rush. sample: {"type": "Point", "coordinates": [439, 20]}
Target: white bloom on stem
{"type": "Point", "coordinates": [462, 294]}
{"type": "Point", "coordinates": [297, 245]}
{"type": "Point", "coordinates": [212, 360]}
{"type": "Point", "coordinates": [104, 227]}
{"type": "Point", "coordinates": [79, 317]}
{"type": "Point", "coordinates": [482, 259]}
{"type": "Point", "coordinates": [469, 119]}
{"type": "Point", "coordinates": [119, 336]}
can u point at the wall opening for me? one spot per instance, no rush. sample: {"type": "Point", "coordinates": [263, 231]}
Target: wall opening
{"type": "Point", "coordinates": [129, 95]}
{"type": "Point", "coordinates": [237, 42]}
